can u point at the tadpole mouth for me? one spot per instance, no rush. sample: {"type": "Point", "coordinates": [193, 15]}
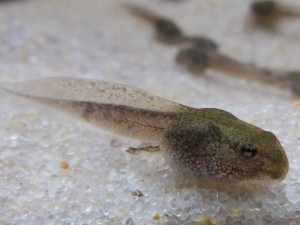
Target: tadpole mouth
{"type": "Point", "coordinates": [279, 173]}
{"type": "Point", "coordinates": [276, 176]}
{"type": "Point", "coordinates": [276, 168]}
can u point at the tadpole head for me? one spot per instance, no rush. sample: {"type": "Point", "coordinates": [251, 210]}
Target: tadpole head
{"type": "Point", "coordinates": [204, 43]}
{"type": "Point", "coordinates": [213, 144]}
{"type": "Point", "coordinates": [167, 31]}
{"type": "Point", "coordinates": [266, 14]}
{"type": "Point", "coordinates": [259, 154]}
{"type": "Point", "coordinates": [264, 8]}
{"type": "Point", "coordinates": [194, 60]}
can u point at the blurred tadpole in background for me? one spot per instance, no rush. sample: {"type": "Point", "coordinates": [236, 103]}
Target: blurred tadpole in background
{"type": "Point", "coordinates": [268, 14]}
{"type": "Point", "coordinates": [197, 61]}
{"type": "Point", "coordinates": [167, 31]}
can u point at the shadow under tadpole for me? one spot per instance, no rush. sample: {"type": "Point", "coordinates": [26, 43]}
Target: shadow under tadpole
{"type": "Point", "coordinates": [235, 191]}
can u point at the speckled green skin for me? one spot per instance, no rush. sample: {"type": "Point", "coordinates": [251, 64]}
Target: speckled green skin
{"type": "Point", "coordinates": [207, 143]}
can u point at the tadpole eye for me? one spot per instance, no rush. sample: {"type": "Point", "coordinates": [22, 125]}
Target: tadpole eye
{"type": "Point", "coordinates": [249, 151]}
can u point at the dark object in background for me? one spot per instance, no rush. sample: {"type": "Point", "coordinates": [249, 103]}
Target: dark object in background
{"type": "Point", "coordinates": [264, 8]}
{"type": "Point", "coordinates": [4, 1]}
{"type": "Point", "coordinates": [267, 14]}
{"type": "Point", "coordinates": [174, 1]}
{"type": "Point", "coordinates": [295, 82]}
{"type": "Point", "coordinates": [137, 193]}
{"type": "Point", "coordinates": [203, 43]}
{"type": "Point", "coordinates": [196, 61]}
{"type": "Point", "coordinates": [167, 31]}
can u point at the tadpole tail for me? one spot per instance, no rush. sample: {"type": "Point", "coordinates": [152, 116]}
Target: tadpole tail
{"type": "Point", "coordinates": [118, 108]}
{"type": "Point", "coordinates": [234, 68]}
{"type": "Point", "coordinates": [289, 11]}
{"type": "Point", "coordinates": [141, 12]}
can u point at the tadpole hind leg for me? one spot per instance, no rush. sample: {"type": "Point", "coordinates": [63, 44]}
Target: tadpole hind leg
{"type": "Point", "coordinates": [144, 148]}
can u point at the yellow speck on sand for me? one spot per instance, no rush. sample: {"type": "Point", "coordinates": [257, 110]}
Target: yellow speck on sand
{"type": "Point", "coordinates": [207, 221]}
{"type": "Point", "coordinates": [64, 165]}
{"type": "Point", "coordinates": [156, 217]}
{"type": "Point", "coordinates": [64, 135]}
{"type": "Point", "coordinates": [297, 103]}
{"type": "Point", "coordinates": [235, 212]}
